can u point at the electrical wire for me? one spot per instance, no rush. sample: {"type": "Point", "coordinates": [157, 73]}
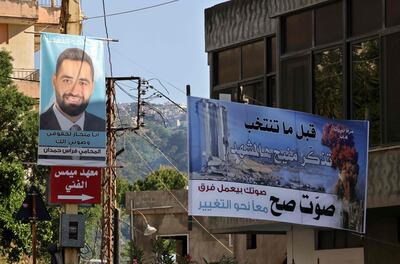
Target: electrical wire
{"type": "Point", "coordinates": [183, 206]}
{"type": "Point", "coordinates": [375, 239]}
{"type": "Point", "coordinates": [109, 59]}
{"type": "Point", "coordinates": [108, 43]}
{"type": "Point", "coordinates": [134, 62]}
{"type": "Point", "coordinates": [130, 87]}
{"type": "Point", "coordinates": [169, 99]}
{"type": "Point", "coordinates": [158, 111]}
{"type": "Point", "coordinates": [158, 80]}
{"type": "Point", "coordinates": [148, 139]}
{"type": "Point", "coordinates": [131, 11]}
{"type": "Point", "coordinates": [118, 111]}
{"type": "Point", "coordinates": [167, 158]}
{"type": "Point", "coordinates": [125, 91]}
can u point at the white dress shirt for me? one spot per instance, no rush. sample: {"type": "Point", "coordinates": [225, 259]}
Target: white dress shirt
{"type": "Point", "coordinates": [65, 123]}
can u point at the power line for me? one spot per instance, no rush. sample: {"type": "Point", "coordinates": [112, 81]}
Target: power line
{"type": "Point", "coordinates": [131, 11]}
{"type": "Point", "coordinates": [108, 43]}
{"type": "Point", "coordinates": [148, 140]}
{"type": "Point", "coordinates": [125, 56]}
{"type": "Point", "coordinates": [130, 87]}
{"type": "Point", "coordinates": [169, 99]}
{"type": "Point", "coordinates": [158, 80]}
{"type": "Point", "coordinates": [389, 243]}
{"type": "Point", "coordinates": [158, 111]}
{"type": "Point", "coordinates": [126, 92]}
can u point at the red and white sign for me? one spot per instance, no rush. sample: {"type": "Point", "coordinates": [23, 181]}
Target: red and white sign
{"type": "Point", "coordinates": [79, 185]}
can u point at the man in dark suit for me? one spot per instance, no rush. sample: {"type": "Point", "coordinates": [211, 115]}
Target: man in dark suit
{"type": "Point", "coordinates": [73, 84]}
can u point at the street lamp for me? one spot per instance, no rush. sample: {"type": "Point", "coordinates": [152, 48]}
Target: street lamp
{"type": "Point", "coordinates": [149, 230]}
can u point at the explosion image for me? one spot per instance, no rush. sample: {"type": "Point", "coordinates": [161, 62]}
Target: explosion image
{"type": "Point", "coordinates": [344, 157]}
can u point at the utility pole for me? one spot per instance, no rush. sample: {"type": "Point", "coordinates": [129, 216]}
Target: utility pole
{"type": "Point", "coordinates": [71, 23]}
{"type": "Point", "coordinates": [70, 17]}
{"type": "Point", "coordinates": [109, 186]}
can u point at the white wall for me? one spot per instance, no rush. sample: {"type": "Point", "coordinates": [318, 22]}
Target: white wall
{"type": "Point", "coordinates": [301, 243]}
{"type": "Point", "coordinates": [21, 45]}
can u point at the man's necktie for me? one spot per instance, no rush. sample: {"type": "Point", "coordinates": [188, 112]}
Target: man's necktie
{"type": "Point", "coordinates": [75, 128]}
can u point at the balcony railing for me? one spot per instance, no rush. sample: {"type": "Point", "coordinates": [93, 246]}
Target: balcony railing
{"type": "Point", "coordinates": [26, 74]}
{"type": "Point", "coordinates": [50, 3]}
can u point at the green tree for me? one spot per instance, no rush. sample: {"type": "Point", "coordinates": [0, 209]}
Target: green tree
{"type": "Point", "coordinates": [93, 228]}
{"type": "Point", "coordinates": [328, 83]}
{"type": "Point", "coordinates": [18, 146]}
{"type": "Point", "coordinates": [365, 86]}
{"type": "Point", "coordinates": [165, 178]}
{"type": "Point", "coordinates": [163, 251]}
{"type": "Point", "coordinates": [162, 179]}
{"type": "Point", "coordinates": [133, 253]}
{"type": "Point", "coordinates": [123, 186]}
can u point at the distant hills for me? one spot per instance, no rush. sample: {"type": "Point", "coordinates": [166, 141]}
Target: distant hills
{"type": "Point", "coordinates": [162, 141]}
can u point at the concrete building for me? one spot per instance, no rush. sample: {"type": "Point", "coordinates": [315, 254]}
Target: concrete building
{"type": "Point", "coordinates": [335, 58]}
{"type": "Point", "coordinates": [19, 19]}
{"type": "Point", "coordinates": [170, 218]}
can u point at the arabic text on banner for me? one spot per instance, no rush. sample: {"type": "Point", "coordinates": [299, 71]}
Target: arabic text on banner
{"type": "Point", "coordinates": [72, 101]}
{"type": "Point", "coordinates": [273, 164]}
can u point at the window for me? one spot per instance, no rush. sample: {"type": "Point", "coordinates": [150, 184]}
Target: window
{"type": "Point", "coordinates": [228, 66]}
{"type": "Point", "coordinates": [251, 241]}
{"type": "Point", "coordinates": [297, 30]}
{"type": "Point", "coordinates": [252, 93]}
{"type": "Point", "coordinates": [3, 33]}
{"type": "Point", "coordinates": [392, 13]}
{"type": "Point", "coordinates": [392, 87]}
{"type": "Point", "coordinates": [329, 23]}
{"type": "Point", "coordinates": [272, 99]}
{"type": "Point", "coordinates": [338, 75]}
{"type": "Point", "coordinates": [335, 239]}
{"type": "Point", "coordinates": [253, 59]}
{"type": "Point", "coordinates": [271, 57]}
{"type": "Point", "coordinates": [366, 16]}
{"type": "Point", "coordinates": [328, 83]}
{"type": "Point", "coordinates": [296, 92]}
{"type": "Point", "coordinates": [246, 73]}
{"type": "Point", "coordinates": [365, 86]}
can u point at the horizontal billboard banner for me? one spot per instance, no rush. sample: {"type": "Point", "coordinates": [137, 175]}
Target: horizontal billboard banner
{"type": "Point", "coordinates": [72, 128]}
{"type": "Point", "coordinates": [274, 164]}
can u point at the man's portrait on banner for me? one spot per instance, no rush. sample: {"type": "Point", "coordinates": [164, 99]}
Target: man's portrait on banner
{"type": "Point", "coordinates": [73, 85]}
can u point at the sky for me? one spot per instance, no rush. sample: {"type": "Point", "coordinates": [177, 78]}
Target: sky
{"type": "Point", "coordinates": [165, 42]}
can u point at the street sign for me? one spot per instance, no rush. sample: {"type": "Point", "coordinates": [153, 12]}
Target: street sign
{"type": "Point", "coordinates": [78, 185]}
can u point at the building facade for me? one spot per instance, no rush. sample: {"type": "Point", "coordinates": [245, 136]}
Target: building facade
{"type": "Point", "coordinates": [167, 212]}
{"type": "Point", "coordinates": [334, 58]}
{"type": "Point", "coordinates": [19, 20]}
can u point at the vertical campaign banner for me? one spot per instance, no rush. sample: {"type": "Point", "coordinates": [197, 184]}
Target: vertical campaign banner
{"type": "Point", "coordinates": [72, 130]}
{"type": "Point", "coordinates": [274, 164]}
